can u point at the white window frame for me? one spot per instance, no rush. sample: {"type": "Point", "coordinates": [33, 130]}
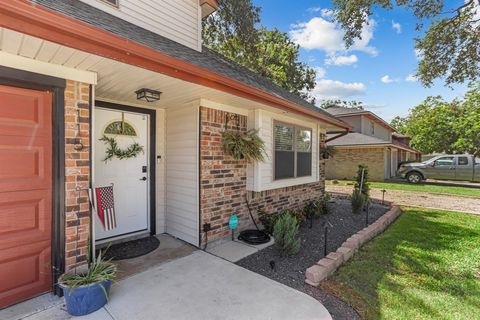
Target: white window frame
{"type": "Point", "coordinates": [108, 2]}
{"type": "Point", "coordinates": [295, 127]}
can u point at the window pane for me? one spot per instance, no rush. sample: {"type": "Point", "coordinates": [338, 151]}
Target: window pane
{"type": "Point", "coordinates": [304, 164]}
{"type": "Point", "coordinates": [462, 161]}
{"type": "Point", "coordinates": [283, 137]}
{"type": "Point", "coordinates": [446, 161]}
{"type": "Point", "coordinates": [304, 140]}
{"type": "Point", "coordinates": [284, 164]}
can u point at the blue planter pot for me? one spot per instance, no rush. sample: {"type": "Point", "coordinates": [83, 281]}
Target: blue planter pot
{"type": "Point", "coordinates": [86, 299]}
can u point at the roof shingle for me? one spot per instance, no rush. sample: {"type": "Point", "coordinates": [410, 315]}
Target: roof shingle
{"type": "Point", "coordinates": [207, 59]}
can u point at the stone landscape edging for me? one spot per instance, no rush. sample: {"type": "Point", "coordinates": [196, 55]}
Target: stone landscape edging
{"type": "Point", "coordinates": [329, 264]}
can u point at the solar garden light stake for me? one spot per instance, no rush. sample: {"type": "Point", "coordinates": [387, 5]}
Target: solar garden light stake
{"type": "Point", "coordinates": [383, 196]}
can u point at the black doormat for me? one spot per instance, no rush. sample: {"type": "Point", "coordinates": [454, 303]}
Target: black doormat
{"type": "Point", "coordinates": [130, 249]}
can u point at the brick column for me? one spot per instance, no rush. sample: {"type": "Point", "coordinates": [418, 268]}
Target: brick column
{"type": "Point", "coordinates": [77, 174]}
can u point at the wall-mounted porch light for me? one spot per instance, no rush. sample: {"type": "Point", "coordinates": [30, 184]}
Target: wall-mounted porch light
{"type": "Point", "coordinates": [148, 95]}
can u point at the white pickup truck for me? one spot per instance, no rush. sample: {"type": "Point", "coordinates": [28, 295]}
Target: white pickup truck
{"type": "Point", "coordinates": [446, 167]}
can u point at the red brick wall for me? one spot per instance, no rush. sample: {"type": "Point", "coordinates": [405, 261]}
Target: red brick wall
{"type": "Point", "coordinates": [223, 180]}
{"type": "Point", "coordinates": [77, 174]}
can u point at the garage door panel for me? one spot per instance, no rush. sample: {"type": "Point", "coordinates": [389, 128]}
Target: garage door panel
{"type": "Point", "coordinates": [25, 112]}
{"type": "Point", "coordinates": [25, 194]}
{"type": "Point", "coordinates": [25, 163]}
{"type": "Point", "coordinates": [31, 268]}
{"type": "Point", "coordinates": [25, 217]}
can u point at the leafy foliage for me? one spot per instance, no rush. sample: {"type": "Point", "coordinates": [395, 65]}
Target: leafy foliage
{"type": "Point", "coordinates": [332, 103]}
{"type": "Point", "coordinates": [361, 189]}
{"type": "Point", "coordinates": [450, 45]}
{"type": "Point", "coordinates": [268, 220]}
{"type": "Point", "coordinates": [316, 208]}
{"type": "Point", "coordinates": [358, 200]}
{"type": "Point", "coordinates": [246, 145]}
{"type": "Point", "coordinates": [234, 31]}
{"type": "Point", "coordinates": [114, 151]}
{"type": "Point", "coordinates": [285, 234]}
{"type": "Point", "coordinates": [365, 186]}
{"type": "Point", "coordinates": [98, 271]}
{"type": "Point", "coordinates": [440, 126]}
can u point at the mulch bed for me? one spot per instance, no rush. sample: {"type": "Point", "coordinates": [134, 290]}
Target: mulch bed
{"type": "Point", "coordinates": [342, 223]}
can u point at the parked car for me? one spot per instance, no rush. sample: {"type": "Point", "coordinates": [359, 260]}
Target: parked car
{"type": "Point", "coordinates": [446, 167]}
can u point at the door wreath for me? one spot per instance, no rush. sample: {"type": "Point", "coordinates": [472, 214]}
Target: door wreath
{"type": "Point", "coordinates": [114, 151]}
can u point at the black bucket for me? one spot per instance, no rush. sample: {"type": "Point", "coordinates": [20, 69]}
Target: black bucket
{"type": "Point", "coordinates": [254, 237]}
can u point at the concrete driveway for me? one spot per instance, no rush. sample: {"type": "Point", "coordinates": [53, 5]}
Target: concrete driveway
{"type": "Point", "coordinates": [200, 286]}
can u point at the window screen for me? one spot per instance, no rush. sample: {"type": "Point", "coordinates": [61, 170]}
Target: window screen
{"type": "Point", "coordinates": [293, 151]}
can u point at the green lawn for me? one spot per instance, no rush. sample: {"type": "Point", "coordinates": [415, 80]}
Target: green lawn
{"type": "Point", "coordinates": [403, 186]}
{"type": "Point", "coordinates": [425, 266]}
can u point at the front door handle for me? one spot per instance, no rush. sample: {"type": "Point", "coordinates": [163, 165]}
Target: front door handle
{"type": "Point", "coordinates": [143, 179]}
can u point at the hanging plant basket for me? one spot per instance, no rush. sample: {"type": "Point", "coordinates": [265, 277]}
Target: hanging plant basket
{"type": "Point", "coordinates": [113, 150]}
{"type": "Point", "coordinates": [244, 145]}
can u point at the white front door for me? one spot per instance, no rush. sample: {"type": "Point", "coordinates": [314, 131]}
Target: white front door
{"type": "Point", "coordinates": [129, 176]}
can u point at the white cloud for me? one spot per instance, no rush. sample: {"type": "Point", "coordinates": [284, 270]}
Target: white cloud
{"type": "Point", "coordinates": [321, 34]}
{"type": "Point", "coordinates": [397, 27]}
{"type": "Point", "coordinates": [332, 89]}
{"type": "Point", "coordinates": [411, 78]}
{"type": "Point", "coordinates": [314, 9]}
{"type": "Point", "coordinates": [341, 60]}
{"type": "Point", "coordinates": [387, 79]}
{"type": "Point", "coordinates": [320, 72]}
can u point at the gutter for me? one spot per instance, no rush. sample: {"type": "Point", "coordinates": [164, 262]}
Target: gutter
{"type": "Point", "coordinates": [36, 20]}
{"type": "Point", "coordinates": [338, 136]}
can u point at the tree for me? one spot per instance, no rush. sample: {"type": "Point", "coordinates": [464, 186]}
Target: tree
{"type": "Point", "coordinates": [234, 31]}
{"type": "Point", "coordinates": [450, 46]}
{"type": "Point", "coordinates": [399, 124]}
{"type": "Point", "coordinates": [440, 126]}
{"type": "Point", "coordinates": [331, 103]}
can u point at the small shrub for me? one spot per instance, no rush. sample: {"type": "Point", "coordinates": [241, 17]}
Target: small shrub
{"type": "Point", "coordinates": [359, 200]}
{"type": "Point", "coordinates": [335, 182]}
{"type": "Point", "coordinates": [361, 189]}
{"type": "Point", "coordinates": [323, 203]}
{"type": "Point", "coordinates": [268, 220]}
{"type": "Point", "coordinates": [285, 233]}
{"type": "Point", "coordinates": [311, 210]}
{"type": "Point", "coordinates": [358, 180]}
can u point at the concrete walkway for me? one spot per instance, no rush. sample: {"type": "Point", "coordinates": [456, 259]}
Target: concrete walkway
{"type": "Point", "coordinates": [200, 286]}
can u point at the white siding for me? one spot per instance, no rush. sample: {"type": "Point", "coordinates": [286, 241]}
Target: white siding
{"type": "Point", "coordinates": [178, 20]}
{"type": "Point", "coordinates": [182, 216]}
{"type": "Point", "coordinates": [262, 173]}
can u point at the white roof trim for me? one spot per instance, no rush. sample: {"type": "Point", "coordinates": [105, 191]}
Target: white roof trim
{"type": "Point", "coordinates": [45, 68]}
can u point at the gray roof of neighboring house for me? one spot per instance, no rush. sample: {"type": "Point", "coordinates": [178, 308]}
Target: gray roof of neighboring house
{"type": "Point", "coordinates": [344, 111]}
{"type": "Point", "coordinates": [340, 112]}
{"type": "Point", "coordinates": [207, 59]}
{"type": "Point", "coordinates": [355, 138]}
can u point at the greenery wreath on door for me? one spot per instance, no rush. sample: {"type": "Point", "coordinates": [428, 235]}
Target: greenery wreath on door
{"type": "Point", "coordinates": [114, 151]}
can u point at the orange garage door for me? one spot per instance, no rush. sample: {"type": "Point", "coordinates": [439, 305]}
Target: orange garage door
{"type": "Point", "coordinates": [25, 193]}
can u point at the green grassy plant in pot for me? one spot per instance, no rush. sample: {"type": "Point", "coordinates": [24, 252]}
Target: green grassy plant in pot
{"type": "Point", "coordinates": [87, 292]}
{"type": "Point", "coordinates": [244, 145]}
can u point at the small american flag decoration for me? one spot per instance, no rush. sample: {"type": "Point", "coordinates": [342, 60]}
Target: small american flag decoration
{"type": "Point", "coordinates": [105, 206]}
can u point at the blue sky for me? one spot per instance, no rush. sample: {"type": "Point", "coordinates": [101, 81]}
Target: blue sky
{"type": "Point", "coordinates": [377, 71]}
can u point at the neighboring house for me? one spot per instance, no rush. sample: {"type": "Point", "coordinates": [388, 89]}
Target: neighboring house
{"type": "Point", "coordinates": [372, 142]}
{"type": "Point", "coordinates": [69, 73]}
